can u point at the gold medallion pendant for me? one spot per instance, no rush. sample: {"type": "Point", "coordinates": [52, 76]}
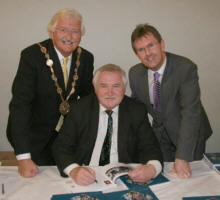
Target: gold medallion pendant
{"type": "Point", "coordinates": [64, 108]}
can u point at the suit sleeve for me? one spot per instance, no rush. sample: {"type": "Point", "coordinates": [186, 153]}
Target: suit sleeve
{"type": "Point", "coordinates": [23, 93]}
{"type": "Point", "coordinates": [190, 111]}
{"type": "Point", "coordinates": [65, 148]}
{"type": "Point", "coordinates": [148, 146]}
{"type": "Point", "coordinates": [132, 83]}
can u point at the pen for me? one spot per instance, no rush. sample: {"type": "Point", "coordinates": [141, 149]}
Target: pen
{"type": "Point", "coordinates": [88, 170]}
{"type": "Point", "coordinates": [3, 188]}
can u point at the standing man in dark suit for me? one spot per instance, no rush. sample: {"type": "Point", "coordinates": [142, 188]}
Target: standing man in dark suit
{"type": "Point", "coordinates": [168, 85]}
{"type": "Point", "coordinates": [51, 75]}
{"type": "Point", "coordinates": [81, 139]}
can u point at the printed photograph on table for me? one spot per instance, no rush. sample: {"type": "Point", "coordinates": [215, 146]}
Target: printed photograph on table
{"type": "Point", "coordinates": [84, 197]}
{"type": "Point", "coordinates": [133, 195]}
{"type": "Point", "coordinates": [138, 194]}
{"type": "Point", "coordinates": [133, 185]}
{"type": "Point", "coordinates": [79, 196]}
{"type": "Point", "coordinates": [114, 172]}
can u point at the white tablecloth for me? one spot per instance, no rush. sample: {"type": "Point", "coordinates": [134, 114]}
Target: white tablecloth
{"type": "Point", "coordinates": [203, 182]}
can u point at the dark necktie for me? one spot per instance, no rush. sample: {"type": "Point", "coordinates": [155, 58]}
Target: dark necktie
{"type": "Point", "coordinates": [106, 147]}
{"type": "Point", "coordinates": [156, 92]}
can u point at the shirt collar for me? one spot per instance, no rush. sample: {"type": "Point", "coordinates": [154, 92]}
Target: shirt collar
{"type": "Point", "coordinates": [162, 68]}
{"type": "Point", "coordinates": [60, 56]}
{"type": "Point", "coordinates": [103, 109]}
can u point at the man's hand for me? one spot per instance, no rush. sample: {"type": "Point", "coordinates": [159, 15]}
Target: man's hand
{"type": "Point", "coordinates": [143, 173]}
{"type": "Point", "coordinates": [83, 175]}
{"type": "Point", "coordinates": [27, 168]}
{"type": "Point", "coordinates": [181, 168]}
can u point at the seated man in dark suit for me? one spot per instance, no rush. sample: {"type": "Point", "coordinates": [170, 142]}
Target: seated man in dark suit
{"type": "Point", "coordinates": [82, 136]}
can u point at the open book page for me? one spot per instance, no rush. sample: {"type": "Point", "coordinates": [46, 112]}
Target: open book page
{"type": "Point", "coordinates": [105, 178]}
{"type": "Point", "coordinates": [198, 168]}
{"type": "Point", "coordinates": [114, 171]}
{"type": "Point", "coordinates": [102, 183]}
{"type": "Point", "coordinates": [212, 159]}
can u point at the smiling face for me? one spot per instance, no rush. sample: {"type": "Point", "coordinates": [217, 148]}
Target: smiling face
{"type": "Point", "coordinates": [150, 51]}
{"type": "Point", "coordinates": [66, 35]}
{"type": "Point", "coordinates": [110, 89]}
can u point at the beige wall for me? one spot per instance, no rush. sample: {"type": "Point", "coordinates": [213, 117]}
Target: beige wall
{"type": "Point", "coordinates": [189, 27]}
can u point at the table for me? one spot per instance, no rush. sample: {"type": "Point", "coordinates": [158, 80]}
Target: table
{"type": "Point", "coordinates": [7, 158]}
{"type": "Point", "coordinates": [203, 182]}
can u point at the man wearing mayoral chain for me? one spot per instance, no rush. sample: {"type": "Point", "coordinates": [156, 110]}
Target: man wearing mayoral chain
{"type": "Point", "coordinates": [51, 75]}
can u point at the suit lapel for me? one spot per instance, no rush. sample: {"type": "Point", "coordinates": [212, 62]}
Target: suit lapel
{"type": "Point", "coordinates": [94, 121]}
{"type": "Point", "coordinates": [146, 92]}
{"type": "Point", "coordinates": [144, 86]}
{"type": "Point", "coordinates": [123, 127]}
{"type": "Point", "coordinates": [71, 72]}
{"type": "Point", "coordinates": [166, 85]}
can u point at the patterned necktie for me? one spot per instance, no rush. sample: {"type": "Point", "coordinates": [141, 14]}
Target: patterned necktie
{"type": "Point", "coordinates": [64, 69]}
{"type": "Point", "coordinates": [106, 147]}
{"type": "Point", "coordinates": [156, 92]}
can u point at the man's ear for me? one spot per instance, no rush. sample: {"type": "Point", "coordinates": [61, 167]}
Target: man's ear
{"type": "Point", "coordinates": [162, 45]}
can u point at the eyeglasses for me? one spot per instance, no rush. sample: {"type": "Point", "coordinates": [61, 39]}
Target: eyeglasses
{"type": "Point", "coordinates": [151, 46]}
{"type": "Point", "coordinates": [65, 31]}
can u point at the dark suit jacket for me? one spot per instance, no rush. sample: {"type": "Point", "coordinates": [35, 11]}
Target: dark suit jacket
{"type": "Point", "coordinates": [34, 108]}
{"type": "Point", "coordinates": [76, 141]}
{"type": "Point", "coordinates": [182, 116]}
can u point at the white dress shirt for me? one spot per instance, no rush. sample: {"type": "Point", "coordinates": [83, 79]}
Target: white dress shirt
{"type": "Point", "coordinates": [60, 56]}
{"type": "Point", "coordinates": [102, 129]}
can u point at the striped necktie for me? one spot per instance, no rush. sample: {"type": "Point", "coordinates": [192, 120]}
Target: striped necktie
{"type": "Point", "coordinates": [156, 91]}
{"type": "Point", "coordinates": [106, 147]}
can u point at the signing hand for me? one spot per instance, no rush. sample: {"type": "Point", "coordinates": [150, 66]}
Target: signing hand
{"type": "Point", "coordinates": [142, 173]}
{"type": "Point", "coordinates": [83, 175]}
{"type": "Point", "coordinates": [27, 168]}
{"type": "Point", "coordinates": [181, 168]}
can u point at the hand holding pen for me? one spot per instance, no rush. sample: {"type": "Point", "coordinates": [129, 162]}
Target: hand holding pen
{"type": "Point", "coordinates": [83, 175]}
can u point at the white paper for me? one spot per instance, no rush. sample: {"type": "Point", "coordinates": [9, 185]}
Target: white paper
{"type": "Point", "coordinates": [203, 182]}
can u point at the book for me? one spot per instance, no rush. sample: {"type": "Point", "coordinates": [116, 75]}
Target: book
{"type": "Point", "coordinates": [213, 161]}
{"type": "Point", "coordinates": [106, 177]}
{"type": "Point", "coordinates": [131, 194]}
{"type": "Point", "coordinates": [79, 196]}
{"type": "Point", "coordinates": [212, 158]}
{"type": "Point", "coordinates": [142, 194]}
{"type": "Point", "coordinates": [202, 198]}
{"type": "Point", "coordinates": [217, 169]}
{"type": "Point", "coordinates": [133, 185]}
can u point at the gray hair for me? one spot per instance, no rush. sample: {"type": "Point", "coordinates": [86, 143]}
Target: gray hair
{"type": "Point", "coordinates": [109, 68]}
{"type": "Point", "coordinates": [72, 13]}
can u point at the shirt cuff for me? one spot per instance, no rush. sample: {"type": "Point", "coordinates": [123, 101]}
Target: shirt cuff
{"type": "Point", "coordinates": [157, 165]}
{"type": "Point", "coordinates": [69, 168]}
{"type": "Point", "coordinates": [23, 156]}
